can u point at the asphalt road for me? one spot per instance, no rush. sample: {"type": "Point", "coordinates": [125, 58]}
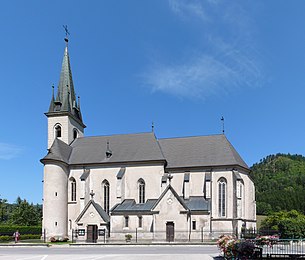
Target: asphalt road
{"type": "Point", "coordinates": [109, 252]}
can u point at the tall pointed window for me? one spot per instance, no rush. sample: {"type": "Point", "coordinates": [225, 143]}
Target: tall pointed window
{"type": "Point", "coordinates": [141, 187]}
{"type": "Point", "coordinates": [222, 197]}
{"type": "Point", "coordinates": [73, 189]}
{"type": "Point", "coordinates": [240, 199]}
{"type": "Point", "coordinates": [57, 131]}
{"type": "Point", "coordinates": [106, 193]}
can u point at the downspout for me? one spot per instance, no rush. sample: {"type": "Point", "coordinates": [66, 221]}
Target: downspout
{"type": "Point", "coordinates": [190, 225]}
{"type": "Point", "coordinates": [211, 206]}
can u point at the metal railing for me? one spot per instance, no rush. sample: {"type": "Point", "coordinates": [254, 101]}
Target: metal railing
{"type": "Point", "coordinates": [140, 236]}
{"type": "Point", "coordinates": [282, 247]}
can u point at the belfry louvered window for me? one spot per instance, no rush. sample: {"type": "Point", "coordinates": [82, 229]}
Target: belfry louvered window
{"type": "Point", "coordinates": [57, 131]}
{"type": "Point", "coordinates": [222, 193]}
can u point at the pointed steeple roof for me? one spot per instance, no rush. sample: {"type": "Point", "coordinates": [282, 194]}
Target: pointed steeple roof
{"type": "Point", "coordinates": [52, 105]}
{"type": "Point", "coordinates": [66, 99]}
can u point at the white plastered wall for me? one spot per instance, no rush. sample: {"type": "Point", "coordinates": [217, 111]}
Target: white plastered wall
{"type": "Point", "coordinates": [55, 210]}
{"type": "Point", "coordinates": [68, 124]}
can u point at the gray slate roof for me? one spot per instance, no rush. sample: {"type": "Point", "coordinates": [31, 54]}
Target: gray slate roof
{"type": "Point", "coordinates": [212, 150]}
{"type": "Point", "coordinates": [198, 151]}
{"type": "Point", "coordinates": [129, 205]}
{"type": "Point", "coordinates": [197, 204]}
{"type": "Point", "coordinates": [66, 99]}
{"type": "Point", "coordinates": [125, 148]}
{"type": "Point", "coordinates": [59, 151]}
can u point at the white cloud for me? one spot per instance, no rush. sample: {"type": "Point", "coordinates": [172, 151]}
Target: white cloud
{"type": "Point", "coordinates": [205, 75]}
{"type": "Point", "coordinates": [9, 151]}
{"type": "Point", "coordinates": [188, 8]}
{"type": "Point", "coordinates": [227, 60]}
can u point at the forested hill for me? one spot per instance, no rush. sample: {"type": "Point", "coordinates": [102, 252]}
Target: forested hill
{"type": "Point", "coordinates": [280, 183]}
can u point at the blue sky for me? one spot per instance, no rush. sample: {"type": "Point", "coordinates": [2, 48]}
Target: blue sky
{"type": "Point", "coordinates": [182, 64]}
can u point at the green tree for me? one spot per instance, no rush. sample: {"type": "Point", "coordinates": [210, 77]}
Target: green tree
{"type": "Point", "coordinates": [290, 224]}
{"type": "Point", "coordinates": [3, 211]}
{"type": "Point", "coordinates": [25, 214]}
{"type": "Point", "coordinates": [280, 183]}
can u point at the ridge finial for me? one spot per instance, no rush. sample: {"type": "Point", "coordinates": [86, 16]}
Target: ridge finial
{"type": "Point", "coordinates": [223, 125]}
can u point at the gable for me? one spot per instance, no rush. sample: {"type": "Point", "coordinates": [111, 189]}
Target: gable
{"type": "Point", "coordinates": [92, 213]}
{"type": "Point", "coordinates": [169, 201]}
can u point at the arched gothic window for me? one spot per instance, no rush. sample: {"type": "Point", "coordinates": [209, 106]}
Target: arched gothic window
{"type": "Point", "coordinates": [73, 189]}
{"type": "Point", "coordinates": [222, 197]}
{"type": "Point", "coordinates": [106, 193]}
{"type": "Point", "coordinates": [141, 185]}
{"type": "Point", "coordinates": [240, 199]}
{"type": "Point", "coordinates": [57, 131]}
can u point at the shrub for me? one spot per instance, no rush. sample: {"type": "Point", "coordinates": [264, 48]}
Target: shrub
{"type": "Point", "coordinates": [128, 237]}
{"type": "Point", "coordinates": [23, 230]}
{"type": "Point", "coordinates": [30, 236]}
{"type": "Point", "coordinates": [58, 239]}
{"type": "Point", "coordinates": [235, 249]}
{"type": "Point", "coordinates": [6, 238]}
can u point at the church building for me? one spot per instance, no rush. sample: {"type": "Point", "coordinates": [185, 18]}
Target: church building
{"type": "Point", "coordinates": [100, 188]}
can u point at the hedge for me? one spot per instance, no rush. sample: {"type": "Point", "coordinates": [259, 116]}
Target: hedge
{"type": "Point", "coordinates": [22, 237]}
{"type": "Point", "coordinates": [23, 230]}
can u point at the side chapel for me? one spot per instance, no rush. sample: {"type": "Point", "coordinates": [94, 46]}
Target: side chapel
{"type": "Point", "coordinates": [103, 187]}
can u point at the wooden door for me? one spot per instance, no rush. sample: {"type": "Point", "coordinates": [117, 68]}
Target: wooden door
{"type": "Point", "coordinates": [92, 233]}
{"type": "Point", "coordinates": [170, 231]}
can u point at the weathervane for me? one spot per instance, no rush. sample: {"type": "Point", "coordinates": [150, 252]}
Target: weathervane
{"type": "Point", "coordinates": [67, 33]}
{"type": "Point", "coordinates": [223, 125]}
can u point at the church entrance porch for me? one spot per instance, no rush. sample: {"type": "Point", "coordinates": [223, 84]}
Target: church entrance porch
{"type": "Point", "coordinates": [170, 231]}
{"type": "Point", "coordinates": [92, 233]}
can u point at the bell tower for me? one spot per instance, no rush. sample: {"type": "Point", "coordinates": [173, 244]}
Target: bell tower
{"type": "Point", "coordinates": [64, 125]}
{"type": "Point", "coordinates": [64, 116]}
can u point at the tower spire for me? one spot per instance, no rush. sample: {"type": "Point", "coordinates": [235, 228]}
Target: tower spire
{"type": "Point", "coordinates": [66, 99]}
{"type": "Point", "coordinates": [64, 111]}
{"type": "Point", "coordinates": [52, 103]}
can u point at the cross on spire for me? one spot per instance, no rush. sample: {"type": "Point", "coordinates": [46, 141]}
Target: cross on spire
{"type": "Point", "coordinates": [67, 33]}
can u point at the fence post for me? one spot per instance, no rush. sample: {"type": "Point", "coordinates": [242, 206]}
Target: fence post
{"type": "Point", "coordinates": [136, 235]}
{"type": "Point", "coordinates": [202, 234]}
{"type": "Point", "coordinates": [44, 235]}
